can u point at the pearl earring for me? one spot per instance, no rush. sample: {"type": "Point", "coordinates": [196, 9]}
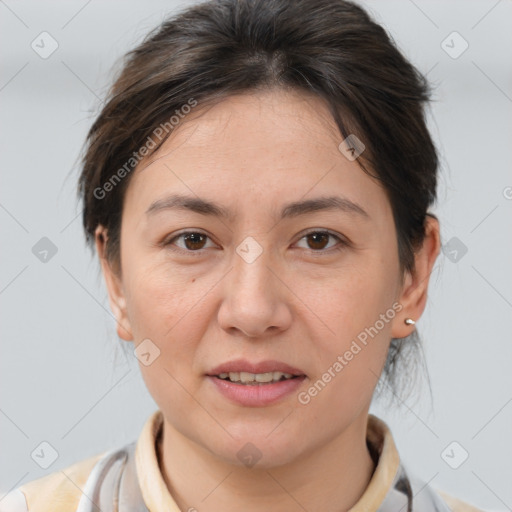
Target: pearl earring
{"type": "Point", "coordinates": [409, 321]}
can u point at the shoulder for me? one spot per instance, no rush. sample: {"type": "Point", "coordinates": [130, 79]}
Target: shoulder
{"type": "Point", "coordinates": [56, 492]}
{"type": "Point", "coordinates": [457, 505]}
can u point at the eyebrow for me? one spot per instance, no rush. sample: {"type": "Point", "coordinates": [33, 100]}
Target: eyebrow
{"type": "Point", "coordinates": [290, 210]}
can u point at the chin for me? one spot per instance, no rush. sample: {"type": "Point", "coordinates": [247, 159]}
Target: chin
{"type": "Point", "coordinates": [261, 451]}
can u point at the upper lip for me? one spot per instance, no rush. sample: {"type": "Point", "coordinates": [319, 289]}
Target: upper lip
{"type": "Point", "coordinates": [242, 365]}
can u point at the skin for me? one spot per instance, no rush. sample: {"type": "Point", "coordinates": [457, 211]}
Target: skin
{"type": "Point", "coordinates": [300, 302]}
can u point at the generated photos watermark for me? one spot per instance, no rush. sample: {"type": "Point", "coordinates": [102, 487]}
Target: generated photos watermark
{"type": "Point", "coordinates": [152, 140]}
{"type": "Point", "coordinates": [305, 397]}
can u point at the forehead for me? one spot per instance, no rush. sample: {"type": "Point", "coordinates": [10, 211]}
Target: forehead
{"type": "Point", "coordinates": [257, 124]}
{"type": "Point", "coordinates": [254, 147]}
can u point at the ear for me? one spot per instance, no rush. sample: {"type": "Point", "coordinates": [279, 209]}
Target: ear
{"type": "Point", "coordinates": [413, 296]}
{"type": "Point", "coordinates": [114, 285]}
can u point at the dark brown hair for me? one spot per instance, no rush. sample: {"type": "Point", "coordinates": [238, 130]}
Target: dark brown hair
{"type": "Point", "coordinates": [330, 48]}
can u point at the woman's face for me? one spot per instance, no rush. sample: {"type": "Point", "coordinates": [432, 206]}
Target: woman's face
{"type": "Point", "coordinates": [255, 286]}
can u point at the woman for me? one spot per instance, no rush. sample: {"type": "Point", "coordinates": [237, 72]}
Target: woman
{"type": "Point", "coordinates": [257, 188]}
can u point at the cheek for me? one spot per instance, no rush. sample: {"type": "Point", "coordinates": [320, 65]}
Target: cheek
{"type": "Point", "coordinates": [173, 310]}
{"type": "Point", "coordinates": [169, 310]}
{"type": "Point", "coordinates": [358, 310]}
{"type": "Point", "coordinates": [161, 299]}
{"type": "Point", "coordinates": [353, 301]}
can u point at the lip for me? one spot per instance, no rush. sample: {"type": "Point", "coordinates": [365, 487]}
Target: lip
{"type": "Point", "coordinates": [258, 395]}
{"type": "Point", "coordinates": [242, 365]}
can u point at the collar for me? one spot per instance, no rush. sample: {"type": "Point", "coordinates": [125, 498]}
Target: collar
{"type": "Point", "coordinates": [129, 479]}
{"type": "Point", "coordinates": [152, 485]}
{"type": "Point", "coordinates": [378, 438]}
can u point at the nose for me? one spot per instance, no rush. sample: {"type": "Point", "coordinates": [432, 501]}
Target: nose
{"type": "Point", "coordinates": [254, 300]}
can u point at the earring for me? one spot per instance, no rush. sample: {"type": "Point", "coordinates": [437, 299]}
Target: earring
{"type": "Point", "coordinates": [409, 321]}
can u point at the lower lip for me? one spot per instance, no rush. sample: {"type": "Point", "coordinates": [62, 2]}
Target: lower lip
{"type": "Point", "coordinates": [257, 395]}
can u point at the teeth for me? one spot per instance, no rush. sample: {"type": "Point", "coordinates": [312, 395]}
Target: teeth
{"type": "Point", "coordinates": [277, 375]}
{"type": "Point", "coordinates": [246, 377]}
{"type": "Point", "coordinates": [264, 377]}
{"type": "Point", "coordinates": [255, 378]}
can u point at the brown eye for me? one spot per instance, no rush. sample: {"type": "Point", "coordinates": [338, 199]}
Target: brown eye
{"type": "Point", "coordinates": [191, 241]}
{"type": "Point", "coordinates": [319, 241]}
{"type": "Point", "coordinates": [194, 241]}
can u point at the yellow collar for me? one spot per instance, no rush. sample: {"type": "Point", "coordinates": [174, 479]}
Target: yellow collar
{"type": "Point", "coordinates": [157, 496]}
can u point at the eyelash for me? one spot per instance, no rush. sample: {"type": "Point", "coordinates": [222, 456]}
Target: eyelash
{"type": "Point", "coordinates": [343, 244]}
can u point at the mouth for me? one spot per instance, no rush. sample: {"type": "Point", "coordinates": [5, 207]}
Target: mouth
{"type": "Point", "coordinates": [245, 372]}
{"type": "Point", "coordinates": [256, 384]}
{"type": "Point", "coordinates": [256, 379]}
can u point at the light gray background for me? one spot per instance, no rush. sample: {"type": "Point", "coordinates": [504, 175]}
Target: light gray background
{"type": "Point", "coordinates": [64, 379]}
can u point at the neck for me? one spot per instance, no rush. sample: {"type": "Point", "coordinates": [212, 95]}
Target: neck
{"type": "Point", "coordinates": [331, 479]}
